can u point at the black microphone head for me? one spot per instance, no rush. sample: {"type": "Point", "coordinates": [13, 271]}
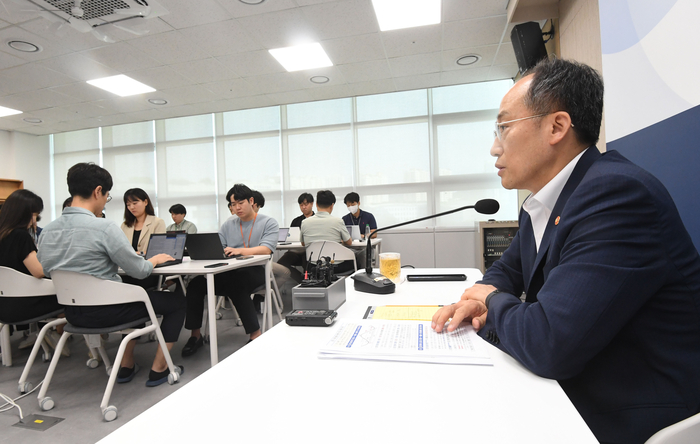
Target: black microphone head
{"type": "Point", "coordinates": [487, 206]}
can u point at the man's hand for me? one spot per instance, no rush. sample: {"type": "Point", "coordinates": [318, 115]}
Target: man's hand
{"type": "Point", "coordinates": [478, 292]}
{"type": "Point", "coordinates": [230, 251]}
{"type": "Point", "coordinates": [160, 258]}
{"type": "Point", "coordinates": [465, 310]}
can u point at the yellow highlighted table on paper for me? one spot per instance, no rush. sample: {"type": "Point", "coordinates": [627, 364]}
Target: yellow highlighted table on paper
{"type": "Point", "coordinates": [406, 312]}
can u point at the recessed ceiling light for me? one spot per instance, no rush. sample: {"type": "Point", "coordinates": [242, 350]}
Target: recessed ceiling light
{"type": "Point", "coordinates": [8, 111]}
{"type": "Point", "coordinates": [251, 2]}
{"type": "Point", "coordinates": [296, 58]}
{"type": "Point", "coordinates": [468, 59]}
{"type": "Point", "coordinates": [23, 46]}
{"type": "Point", "coordinates": [400, 14]}
{"type": "Point", "coordinates": [121, 85]}
{"type": "Point", "coordinates": [158, 101]}
{"type": "Point", "coordinates": [32, 120]}
{"type": "Point", "coordinates": [319, 79]}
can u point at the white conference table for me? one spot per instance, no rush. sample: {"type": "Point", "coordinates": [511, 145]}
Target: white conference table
{"type": "Point", "coordinates": [276, 389]}
{"type": "Point", "coordinates": [190, 267]}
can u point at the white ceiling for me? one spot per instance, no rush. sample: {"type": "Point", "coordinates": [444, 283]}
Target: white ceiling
{"type": "Point", "coordinates": [211, 55]}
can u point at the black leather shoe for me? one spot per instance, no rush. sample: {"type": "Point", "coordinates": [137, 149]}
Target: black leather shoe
{"type": "Point", "coordinates": [193, 344]}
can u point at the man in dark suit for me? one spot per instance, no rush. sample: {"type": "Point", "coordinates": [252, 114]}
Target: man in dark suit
{"type": "Point", "coordinates": [610, 275]}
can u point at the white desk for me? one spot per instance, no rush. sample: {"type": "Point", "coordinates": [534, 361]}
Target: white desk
{"type": "Point", "coordinates": [356, 245]}
{"type": "Point", "coordinates": [276, 390]}
{"type": "Point", "coordinates": [198, 268]}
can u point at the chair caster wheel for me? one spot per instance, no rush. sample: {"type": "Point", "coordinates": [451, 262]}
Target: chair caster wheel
{"type": "Point", "coordinates": [109, 413]}
{"type": "Point", "coordinates": [46, 403]}
{"type": "Point", "coordinates": [92, 363]}
{"type": "Point", "coordinates": [206, 339]}
{"type": "Point", "coordinates": [108, 370]}
{"type": "Point", "coordinates": [219, 316]}
{"type": "Point", "coordinates": [173, 378]}
{"type": "Point", "coordinates": [45, 357]}
{"type": "Point", "coordinates": [25, 388]}
{"type": "Point", "coordinates": [239, 323]}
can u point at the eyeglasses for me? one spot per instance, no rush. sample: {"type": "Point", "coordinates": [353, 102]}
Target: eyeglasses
{"type": "Point", "coordinates": [498, 133]}
{"type": "Point", "coordinates": [109, 197]}
{"type": "Point", "coordinates": [500, 126]}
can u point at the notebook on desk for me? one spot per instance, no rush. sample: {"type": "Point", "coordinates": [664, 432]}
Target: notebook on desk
{"type": "Point", "coordinates": [168, 243]}
{"type": "Point", "coordinates": [206, 246]}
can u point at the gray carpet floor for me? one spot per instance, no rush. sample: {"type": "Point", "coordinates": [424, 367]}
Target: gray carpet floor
{"type": "Point", "coordinates": [77, 390]}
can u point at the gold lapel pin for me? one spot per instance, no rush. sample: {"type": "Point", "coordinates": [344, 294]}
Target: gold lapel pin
{"type": "Point", "coordinates": [556, 221]}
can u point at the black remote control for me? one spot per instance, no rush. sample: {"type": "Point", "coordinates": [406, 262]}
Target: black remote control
{"type": "Point", "coordinates": [435, 277]}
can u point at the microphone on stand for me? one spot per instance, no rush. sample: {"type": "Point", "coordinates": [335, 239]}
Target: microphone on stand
{"type": "Point", "coordinates": [369, 282]}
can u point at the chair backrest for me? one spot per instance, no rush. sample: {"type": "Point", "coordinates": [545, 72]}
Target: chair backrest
{"type": "Point", "coordinates": [14, 283]}
{"type": "Point", "coordinates": [683, 432]}
{"type": "Point", "coordinates": [80, 289]}
{"type": "Point", "coordinates": [331, 249]}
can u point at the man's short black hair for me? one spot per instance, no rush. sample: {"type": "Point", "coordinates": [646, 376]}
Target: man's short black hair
{"type": "Point", "coordinates": [239, 192]}
{"type": "Point", "coordinates": [178, 209]}
{"type": "Point", "coordinates": [351, 197]}
{"type": "Point", "coordinates": [83, 178]}
{"type": "Point", "coordinates": [324, 199]}
{"type": "Point", "coordinates": [258, 198]}
{"type": "Point", "coordinates": [565, 85]}
{"type": "Point", "coordinates": [305, 197]}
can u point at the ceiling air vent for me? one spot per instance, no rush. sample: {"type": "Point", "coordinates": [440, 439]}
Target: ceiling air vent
{"type": "Point", "coordinates": [89, 15]}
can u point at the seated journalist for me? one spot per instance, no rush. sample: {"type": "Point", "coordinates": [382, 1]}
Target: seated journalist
{"type": "Point", "coordinates": [610, 275]}
{"type": "Point", "coordinates": [82, 241]}
{"type": "Point", "coordinates": [248, 234]}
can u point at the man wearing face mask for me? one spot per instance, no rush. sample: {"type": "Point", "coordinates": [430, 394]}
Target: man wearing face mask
{"type": "Point", "coordinates": [357, 216]}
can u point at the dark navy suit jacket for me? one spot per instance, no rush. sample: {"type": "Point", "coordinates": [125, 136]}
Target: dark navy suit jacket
{"type": "Point", "coordinates": [612, 306]}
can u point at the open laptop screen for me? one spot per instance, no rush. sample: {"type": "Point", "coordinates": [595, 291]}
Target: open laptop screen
{"type": "Point", "coordinates": [283, 235]}
{"type": "Point", "coordinates": [172, 244]}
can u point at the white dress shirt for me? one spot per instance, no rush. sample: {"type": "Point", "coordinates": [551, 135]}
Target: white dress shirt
{"type": "Point", "coordinates": [539, 205]}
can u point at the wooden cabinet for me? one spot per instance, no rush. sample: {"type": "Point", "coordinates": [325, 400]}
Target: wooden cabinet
{"type": "Point", "coordinates": [7, 186]}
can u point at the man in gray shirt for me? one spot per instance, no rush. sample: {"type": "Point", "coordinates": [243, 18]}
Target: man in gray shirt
{"type": "Point", "coordinates": [249, 233]}
{"type": "Point", "coordinates": [324, 227]}
{"type": "Point", "coordinates": [82, 241]}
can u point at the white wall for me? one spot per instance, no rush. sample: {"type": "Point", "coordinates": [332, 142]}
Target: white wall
{"type": "Point", "coordinates": [27, 157]}
{"type": "Point", "coordinates": [7, 156]}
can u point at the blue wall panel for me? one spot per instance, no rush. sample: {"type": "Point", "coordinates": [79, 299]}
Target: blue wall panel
{"type": "Point", "coordinates": [670, 150]}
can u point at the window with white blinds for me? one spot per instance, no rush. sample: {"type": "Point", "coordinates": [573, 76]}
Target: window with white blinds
{"type": "Point", "coordinates": [408, 154]}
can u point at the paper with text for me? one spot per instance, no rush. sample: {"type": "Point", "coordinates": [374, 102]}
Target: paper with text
{"type": "Point", "coordinates": [412, 341]}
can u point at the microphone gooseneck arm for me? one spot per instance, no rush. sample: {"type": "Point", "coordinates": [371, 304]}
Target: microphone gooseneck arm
{"type": "Point", "coordinates": [368, 267]}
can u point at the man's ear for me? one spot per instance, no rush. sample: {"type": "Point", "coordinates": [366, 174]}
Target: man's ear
{"type": "Point", "coordinates": [560, 126]}
{"type": "Point", "coordinates": [97, 193]}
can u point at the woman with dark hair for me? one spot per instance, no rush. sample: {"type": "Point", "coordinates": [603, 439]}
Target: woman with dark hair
{"type": "Point", "coordinates": [139, 219]}
{"type": "Point", "coordinates": [37, 206]}
{"type": "Point", "coordinates": [18, 251]}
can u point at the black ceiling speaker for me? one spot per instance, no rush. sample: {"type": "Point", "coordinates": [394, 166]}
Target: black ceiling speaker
{"type": "Point", "coordinates": [528, 45]}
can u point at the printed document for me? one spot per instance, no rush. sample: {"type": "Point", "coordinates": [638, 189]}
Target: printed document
{"type": "Point", "coordinates": [411, 341]}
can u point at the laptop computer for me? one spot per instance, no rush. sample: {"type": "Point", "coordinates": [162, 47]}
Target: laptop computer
{"type": "Point", "coordinates": [354, 231]}
{"type": "Point", "coordinates": [206, 246]}
{"type": "Point", "coordinates": [294, 234]}
{"type": "Point", "coordinates": [172, 244]}
{"type": "Point", "coordinates": [282, 237]}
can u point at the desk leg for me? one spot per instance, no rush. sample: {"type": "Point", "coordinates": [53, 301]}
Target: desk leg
{"type": "Point", "coordinates": [211, 312]}
{"type": "Point", "coordinates": [267, 322]}
{"type": "Point", "coordinates": [6, 352]}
